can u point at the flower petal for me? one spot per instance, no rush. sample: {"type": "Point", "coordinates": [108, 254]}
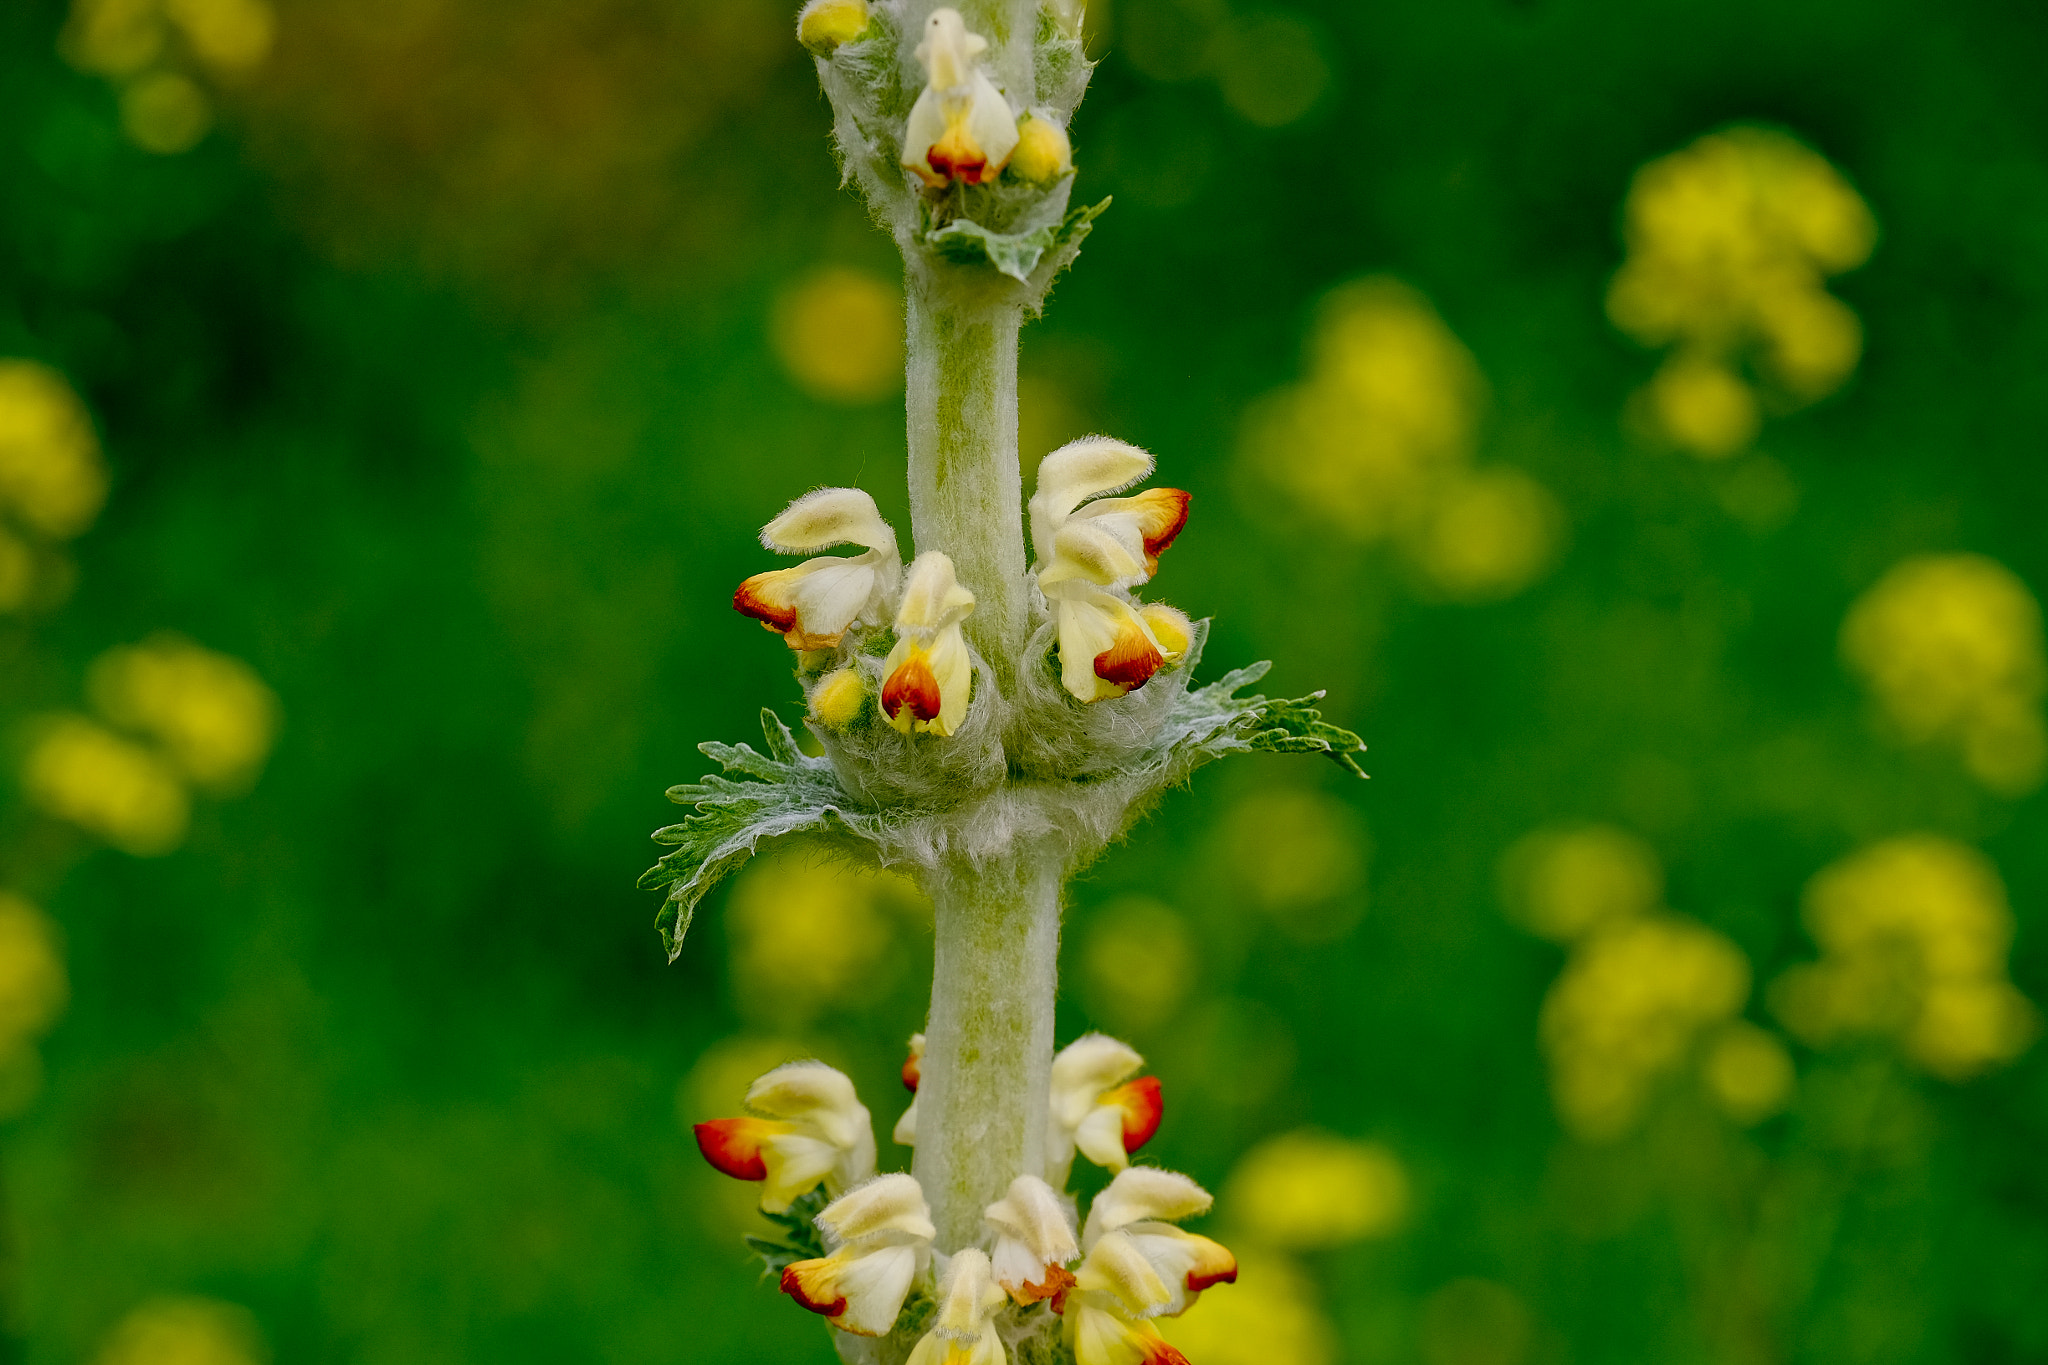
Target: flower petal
{"type": "Point", "coordinates": [1077, 471]}
{"type": "Point", "coordinates": [1141, 1106]}
{"type": "Point", "coordinates": [859, 1291]}
{"type": "Point", "coordinates": [811, 1092]}
{"type": "Point", "coordinates": [733, 1146]}
{"type": "Point", "coordinates": [1035, 1238]}
{"type": "Point", "coordinates": [1185, 1262]}
{"type": "Point", "coordinates": [913, 1065]}
{"type": "Point", "coordinates": [933, 597]}
{"type": "Point", "coordinates": [1145, 1194]}
{"type": "Point", "coordinates": [1118, 1271]}
{"type": "Point", "coordinates": [889, 1206]}
{"type": "Point", "coordinates": [968, 1295]}
{"type": "Point", "coordinates": [1085, 1068]}
{"type": "Point", "coordinates": [826, 517]}
{"type": "Point", "coordinates": [911, 691]}
{"type": "Point", "coordinates": [1100, 1337]}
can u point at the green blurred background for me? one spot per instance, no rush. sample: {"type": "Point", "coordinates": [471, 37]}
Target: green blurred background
{"type": "Point", "coordinates": [444, 356]}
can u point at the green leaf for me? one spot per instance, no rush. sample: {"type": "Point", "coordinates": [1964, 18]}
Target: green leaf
{"type": "Point", "coordinates": [796, 1237]}
{"type": "Point", "coordinates": [966, 242]}
{"type": "Point", "coordinates": [1210, 722]}
{"type": "Point", "coordinates": [792, 793]}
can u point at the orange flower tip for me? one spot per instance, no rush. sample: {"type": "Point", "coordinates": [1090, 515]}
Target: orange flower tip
{"type": "Point", "coordinates": [1131, 661]}
{"type": "Point", "coordinates": [1160, 1352]}
{"type": "Point", "coordinates": [1143, 1106]}
{"type": "Point", "coordinates": [748, 601]}
{"type": "Point", "coordinates": [913, 1072]}
{"type": "Point", "coordinates": [912, 685]}
{"type": "Point", "coordinates": [733, 1147]}
{"type": "Point", "coordinates": [1058, 1280]}
{"type": "Point", "coordinates": [1197, 1281]}
{"type": "Point", "coordinates": [956, 157]}
{"type": "Point", "coordinates": [793, 1285]}
{"type": "Point", "coordinates": [1165, 514]}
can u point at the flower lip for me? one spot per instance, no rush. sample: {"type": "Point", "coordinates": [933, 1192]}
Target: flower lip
{"type": "Point", "coordinates": [913, 1065]}
{"type": "Point", "coordinates": [913, 685]}
{"type": "Point", "coordinates": [793, 1285]}
{"type": "Point", "coordinates": [733, 1146]}
{"type": "Point", "coordinates": [1143, 1106]}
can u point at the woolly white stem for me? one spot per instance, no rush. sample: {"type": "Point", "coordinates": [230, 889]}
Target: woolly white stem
{"type": "Point", "coordinates": [983, 1096]}
{"type": "Point", "coordinates": [966, 494]}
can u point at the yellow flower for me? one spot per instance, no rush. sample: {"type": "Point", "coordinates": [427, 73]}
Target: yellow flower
{"type": "Point", "coordinates": [823, 26]}
{"type": "Point", "coordinates": [211, 713]}
{"type": "Point", "coordinates": [880, 1237]}
{"type": "Point", "coordinates": [33, 989]}
{"type": "Point", "coordinates": [1044, 153]}
{"type": "Point", "coordinates": [1563, 881]}
{"type": "Point", "coordinates": [1306, 1190]}
{"type": "Point", "coordinates": [1950, 647]}
{"type": "Point", "coordinates": [1626, 1012]}
{"type": "Point", "coordinates": [1749, 1073]}
{"type": "Point", "coordinates": [1097, 1108]}
{"type": "Point", "coordinates": [930, 674]}
{"type": "Point", "coordinates": [808, 1128]}
{"type": "Point", "coordinates": [51, 477]}
{"type": "Point", "coordinates": [184, 1331]}
{"type": "Point", "coordinates": [1034, 1240]}
{"type": "Point", "coordinates": [1913, 934]}
{"type": "Point", "coordinates": [109, 786]}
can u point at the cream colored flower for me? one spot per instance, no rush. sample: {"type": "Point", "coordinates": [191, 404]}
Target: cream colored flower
{"type": "Point", "coordinates": [1034, 1230]}
{"type": "Point", "coordinates": [963, 1331]}
{"type": "Point", "coordinates": [1141, 1205]}
{"type": "Point", "coordinates": [930, 673]}
{"type": "Point", "coordinates": [961, 127]}
{"type": "Point", "coordinates": [880, 1237]}
{"type": "Point", "coordinates": [815, 603]}
{"type": "Point", "coordinates": [1096, 1109]}
{"type": "Point", "coordinates": [808, 1129]}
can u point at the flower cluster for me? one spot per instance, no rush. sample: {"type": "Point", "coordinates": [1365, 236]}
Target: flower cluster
{"type": "Point", "coordinates": [1092, 549]}
{"type": "Point", "coordinates": [1913, 933]}
{"type": "Point", "coordinates": [1038, 1269]}
{"type": "Point", "coordinates": [1730, 243]}
{"type": "Point", "coordinates": [1950, 649]}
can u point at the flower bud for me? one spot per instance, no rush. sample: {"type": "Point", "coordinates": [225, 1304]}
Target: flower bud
{"type": "Point", "coordinates": [1043, 153]}
{"type": "Point", "coordinates": [837, 699]}
{"type": "Point", "coordinates": [827, 24]}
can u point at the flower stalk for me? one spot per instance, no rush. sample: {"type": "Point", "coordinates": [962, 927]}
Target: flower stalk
{"type": "Point", "coordinates": [990, 721]}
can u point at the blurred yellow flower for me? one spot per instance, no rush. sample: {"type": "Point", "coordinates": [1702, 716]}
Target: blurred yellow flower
{"type": "Point", "coordinates": [79, 771]}
{"type": "Point", "coordinates": [1950, 647]}
{"type": "Point", "coordinates": [1489, 534]}
{"type": "Point", "coordinates": [1626, 1011]}
{"type": "Point", "coordinates": [184, 1331]}
{"type": "Point", "coordinates": [211, 713]}
{"type": "Point", "coordinates": [1377, 441]}
{"type": "Point", "coordinates": [808, 934]}
{"type": "Point", "coordinates": [1300, 856]}
{"type": "Point", "coordinates": [1749, 1073]}
{"type": "Point", "coordinates": [1308, 1190]}
{"type": "Point", "coordinates": [1565, 880]}
{"type": "Point", "coordinates": [114, 38]}
{"type": "Point", "coordinates": [165, 112]}
{"type": "Point", "coordinates": [1474, 1322]}
{"type": "Point", "coordinates": [1137, 963]}
{"type": "Point", "coordinates": [839, 334]}
{"type": "Point", "coordinates": [33, 991]}
{"type": "Point", "coordinates": [1270, 1314]}
{"type": "Point", "coordinates": [1730, 242]}
{"type": "Point", "coordinates": [51, 478]}
{"type": "Point", "coordinates": [226, 35]}
{"type": "Point", "coordinates": [1913, 934]}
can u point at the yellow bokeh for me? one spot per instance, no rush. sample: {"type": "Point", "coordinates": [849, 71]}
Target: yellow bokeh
{"type": "Point", "coordinates": [1748, 1072]}
{"type": "Point", "coordinates": [839, 334]}
{"type": "Point", "coordinates": [1301, 857]}
{"type": "Point", "coordinates": [716, 1086]}
{"type": "Point", "coordinates": [227, 35]}
{"type": "Point", "coordinates": [1626, 1012]}
{"type": "Point", "coordinates": [1474, 1322]}
{"type": "Point", "coordinates": [115, 38]}
{"type": "Point", "coordinates": [165, 112]}
{"type": "Point", "coordinates": [112, 787]}
{"type": "Point", "coordinates": [1950, 648]}
{"type": "Point", "coordinates": [210, 712]}
{"type": "Point", "coordinates": [1271, 1314]}
{"type": "Point", "coordinates": [1306, 1190]}
{"type": "Point", "coordinates": [1377, 440]}
{"type": "Point", "coordinates": [809, 934]}
{"type": "Point", "coordinates": [1913, 934]}
{"type": "Point", "coordinates": [184, 1331]}
{"type": "Point", "coordinates": [51, 479]}
{"type": "Point", "coordinates": [1488, 535]}
{"type": "Point", "coordinates": [1137, 964]}
{"type": "Point", "coordinates": [1730, 243]}
{"type": "Point", "coordinates": [33, 988]}
{"type": "Point", "coordinates": [1563, 881]}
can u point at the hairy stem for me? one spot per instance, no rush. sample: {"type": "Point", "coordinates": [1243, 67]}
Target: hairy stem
{"type": "Point", "coordinates": [966, 495]}
{"type": "Point", "coordinates": [982, 1100]}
